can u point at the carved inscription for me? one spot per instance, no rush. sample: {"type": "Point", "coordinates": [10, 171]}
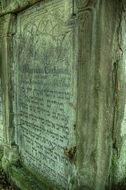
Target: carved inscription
{"type": "Point", "coordinates": [45, 89]}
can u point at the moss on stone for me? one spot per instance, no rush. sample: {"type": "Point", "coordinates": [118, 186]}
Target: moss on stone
{"type": "Point", "coordinates": [25, 180]}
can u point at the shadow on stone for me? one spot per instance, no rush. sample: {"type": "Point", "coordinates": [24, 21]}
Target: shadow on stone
{"type": "Point", "coordinates": [83, 187]}
{"type": "Point", "coordinates": [4, 182]}
{"type": "Point", "coordinates": [120, 186]}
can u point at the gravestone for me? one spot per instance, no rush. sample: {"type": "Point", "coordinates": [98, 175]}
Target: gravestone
{"type": "Point", "coordinates": [59, 73]}
{"type": "Point", "coordinates": [45, 89]}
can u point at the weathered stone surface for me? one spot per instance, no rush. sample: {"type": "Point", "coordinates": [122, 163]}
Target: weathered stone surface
{"type": "Point", "coordinates": [60, 84]}
{"type": "Point", "coordinates": [45, 90]}
{"type": "Point", "coordinates": [95, 118]}
{"type": "Point", "coordinates": [119, 155]}
{"type": "Point", "coordinates": [9, 6]}
{"type": "Point", "coordinates": [1, 107]}
{"type": "Point", "coordinates": [1, 119]}
{"type": "Point", "coordinates": [84, 4]}
{"type": "Point", "coordinates": [6, 34]}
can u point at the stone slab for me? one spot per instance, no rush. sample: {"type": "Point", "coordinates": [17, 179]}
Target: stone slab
{"type": "Point", "coordinates": [45, 90]}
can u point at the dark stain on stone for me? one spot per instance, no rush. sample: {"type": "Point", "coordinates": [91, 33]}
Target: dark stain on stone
{"type": "Point", "coordinates": [70, 153]}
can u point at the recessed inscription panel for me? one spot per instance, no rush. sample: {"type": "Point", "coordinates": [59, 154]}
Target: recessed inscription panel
{"type": "Point", "coordinates": [46, 89]}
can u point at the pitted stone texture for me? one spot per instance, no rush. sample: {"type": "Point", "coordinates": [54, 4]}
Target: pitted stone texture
{"type": "Point", "coordinates": [45, 90]}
